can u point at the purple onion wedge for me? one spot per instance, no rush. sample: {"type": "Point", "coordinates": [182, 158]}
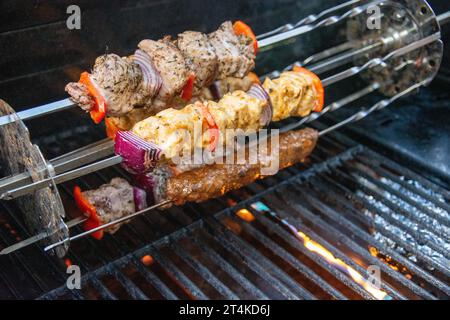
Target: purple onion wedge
{"type": "Point", "coordinates": [152, 79]}
{"type": "Point", "coordinates": [138, 155]}
{"type": "Point", "coordinates": [258, 92]}
{"type": "Point", "coordinates": [140, 199]}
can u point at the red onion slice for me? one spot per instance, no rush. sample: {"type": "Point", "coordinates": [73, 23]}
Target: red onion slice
{"type": "Point", "coordinates": [152, 78]}
{"type": "Point", "coordinates": [140, 199]}
{"type": "Point", "coordinates": [258, 92]}
{"type": "Point", "coordinates": [138, 155]}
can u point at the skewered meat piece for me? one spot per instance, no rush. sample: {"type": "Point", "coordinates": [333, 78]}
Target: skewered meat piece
{"type": "Point", "coordinates": [170, 64]}
{"type": "Point", "coordinates": [112, 201]}
{"type": "Point", "coordinates": [236, 54]}
{"type": "Point", "coordinates": [168, 129]}
{"type": "Point", "coordinates": [292, 94]}
{"type": "Point", "coordinates": [214, 92]}
{"type": "Point", "coordinates": [118, 80]}
{"type": "Point", "coordinates": [200, 56]}
{"type": "Point", "coordinates": [161, 71]}
{"type": "Point", "coordinates": [202, 183]}
{"type": "Point", "coordinates": [215, 180]}
{"type": "Point", "coordinates": [173, 133]}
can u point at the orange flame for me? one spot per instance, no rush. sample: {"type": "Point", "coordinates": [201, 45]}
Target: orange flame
{"type": "Point", "coordinates": [320, 250]}
{"type": "Point", "coordinates": [68, 262]}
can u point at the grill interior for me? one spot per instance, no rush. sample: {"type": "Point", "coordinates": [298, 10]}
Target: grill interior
{"type": "Point", "coordinates": [366, 200]}
{"type": "Point", "coordinates": [362, 207]}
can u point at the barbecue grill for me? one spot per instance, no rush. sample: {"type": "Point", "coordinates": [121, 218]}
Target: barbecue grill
{"type": "Point", "coordinates": [359, 206]}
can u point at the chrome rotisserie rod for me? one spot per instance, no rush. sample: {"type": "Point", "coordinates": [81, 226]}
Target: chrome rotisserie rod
{"type": "Point", "coordinates": [356, 117]}
{"type": "Point", "coordinates": [19, 190]}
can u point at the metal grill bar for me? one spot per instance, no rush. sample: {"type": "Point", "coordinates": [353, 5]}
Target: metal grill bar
{"type": "Point", "coordinates": [178, 274]}
{"type": "Point", "coordinates": [205, 273]}
{"type": "Point", "coordinates": [389, 234]}
{"type": "Point", "coordinates": [388, 216]}
{"type": "Point", "coordinates": [258, 262]}
{"type": "Point", "coordinates": [317, 187]}
{"type": "Point", "coordinates": [297, 264]}
{"type": "Point", "coordinates": [350, 243]}
{"type": "Point", "coordinates": [404, 198]}
{"type": "Point", "coordinates": [229, 269]}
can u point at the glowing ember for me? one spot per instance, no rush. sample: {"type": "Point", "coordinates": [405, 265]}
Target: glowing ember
{"type": "Point", "coordinates": [323, 252]}
{"type": "Point", "coordinates": [68, 262]}
{"type": "Point", "coordinates": [245, 215]}
{"type": "Point", "coordinates": [147, 260]}
{"type": "Point", "coordinates": [390, 262]}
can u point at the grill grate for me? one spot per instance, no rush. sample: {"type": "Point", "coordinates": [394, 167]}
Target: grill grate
{"type": "Point", "coordinates": [362, 207]}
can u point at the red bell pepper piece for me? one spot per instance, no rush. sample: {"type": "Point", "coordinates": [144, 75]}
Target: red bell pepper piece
{"type": "Point", "coordinates": [111, 128]}
{"type": "Point", "coordinates": [213, 129]}
{"type": "Point", "coordinates": [88, 209]}
{"type": "Point", "coordinates": [188, 89]}
{"type": "Point", "coordinates": [240, 28]}
{"type": "Point", "coordinates": [318, 86]}
{"type": "Point", "coordinates": [99, 110]}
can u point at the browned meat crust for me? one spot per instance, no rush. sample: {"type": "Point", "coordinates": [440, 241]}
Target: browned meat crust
{"type": "Point", "coordinates": [235, 53]}
{"type": "Point", "coordinates": [217, 179]}
{"type": "Point", "coordinates": [112, 201]}
{"type": "Point", "coordinates": [119, 80]}
{"type": "Point", "coordinates": [200, 56]}
{"type": "Point", "coordinates": [79, 95]}
{"type": "Point", "coordinates": [170, 64]}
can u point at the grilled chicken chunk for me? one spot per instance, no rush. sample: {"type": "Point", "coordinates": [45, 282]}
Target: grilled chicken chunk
{"type": "Point", "coordinates": [235, 53]}
{"type": "Point", "coordinates": [200, 56]}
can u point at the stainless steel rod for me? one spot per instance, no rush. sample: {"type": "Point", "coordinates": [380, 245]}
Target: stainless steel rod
{"type": "Point", "coordinates": [23, 189]}
{"type": "Point", "coordinates": [443, 18]}
{"type": "Point", "coordinates": [107, 225]}
{"type": "Point", "coordinates": [266, 43]}
{"type": "Point", "coordinates": [378, 106]}
{"type": "Point", "coordinates": [63, 177]}
{"type": "Point", "coordinates": [40, 236]}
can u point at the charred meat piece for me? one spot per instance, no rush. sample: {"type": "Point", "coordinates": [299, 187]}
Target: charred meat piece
{"type": "Point", "coordinates": [215, 180]}
{"type": "Point", "coordinates": [200, 56]}
{"type": "Point", "coordinates": [235, 53]}
{"type": "Point", "coordinates": [112, 201]}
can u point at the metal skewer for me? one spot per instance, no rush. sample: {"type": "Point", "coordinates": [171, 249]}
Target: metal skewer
{"type": "Point", "coordinates": [67, 166]}
{"type": "Point", "coordinates": [356, 117]}
{"type": "Point", "coordinates": [330, 108]}
{"type": "Point", "coordinates": [81, 171]}
{"type": "Point", "coordinates": [107, 225]}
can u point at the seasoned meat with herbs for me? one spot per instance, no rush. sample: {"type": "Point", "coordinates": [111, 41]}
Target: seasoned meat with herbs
{"type": "Point", "coordinates": [212, 181]}
{"type": "Point", "coordinates": [235, 53]}
{"type": "Point", "coordinates": [200, 56]}
{"type": "Point", "coordinates": [112, 201]}
{"type": "Point", "coordinates": [171, 66]}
